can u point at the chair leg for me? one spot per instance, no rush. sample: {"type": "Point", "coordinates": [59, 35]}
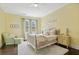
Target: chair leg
{"type": "Point", "coordinates": [14, 45]}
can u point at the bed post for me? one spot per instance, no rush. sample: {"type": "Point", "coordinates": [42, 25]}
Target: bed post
{"type": "Point", "coordinates": [35, 43]}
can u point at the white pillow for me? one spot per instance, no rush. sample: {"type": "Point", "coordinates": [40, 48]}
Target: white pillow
{"type": "Point", "coordinates": [52, 32]}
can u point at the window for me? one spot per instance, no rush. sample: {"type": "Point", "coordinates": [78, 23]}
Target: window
{"type": "Point", "coordinates": [30, 26]}
{"type": "Point", "coordinates": [27, 26]}
{"type": "Point", "coordinates": [33, 26]}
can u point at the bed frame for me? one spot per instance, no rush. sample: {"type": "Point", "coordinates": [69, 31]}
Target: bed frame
{"type": "Point", "coordinates": [32, 40]}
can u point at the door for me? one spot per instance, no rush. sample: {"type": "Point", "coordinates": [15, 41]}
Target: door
{"type": "Point", "coordinates": [26, 28]}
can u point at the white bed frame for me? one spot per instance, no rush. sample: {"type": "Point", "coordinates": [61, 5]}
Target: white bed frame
{"type": "Point", "coordinates": [32, 40]}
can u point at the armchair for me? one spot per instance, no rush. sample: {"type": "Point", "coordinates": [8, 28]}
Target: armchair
{"type": "Point", "coordinates": [9, 39]}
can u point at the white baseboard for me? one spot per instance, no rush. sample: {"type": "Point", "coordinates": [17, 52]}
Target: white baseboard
{"type": "Point", "coordinates": [75, 46]}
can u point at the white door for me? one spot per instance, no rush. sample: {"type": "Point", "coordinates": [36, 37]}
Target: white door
{"type": "Point", "coordinates": [26, 28]}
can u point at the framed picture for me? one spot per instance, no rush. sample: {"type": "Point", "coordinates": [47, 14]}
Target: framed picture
{"type": "Point", "coordinates": [14, 26]}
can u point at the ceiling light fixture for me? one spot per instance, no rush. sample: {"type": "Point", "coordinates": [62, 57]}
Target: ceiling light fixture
{"type": "Point", "coordinates": [35, 4]}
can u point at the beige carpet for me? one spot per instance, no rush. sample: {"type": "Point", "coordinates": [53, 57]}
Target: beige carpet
{"type": "Point", "coordinates": [25, 49]}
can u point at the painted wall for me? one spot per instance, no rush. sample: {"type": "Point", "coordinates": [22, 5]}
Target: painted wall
{"type": "Point", "coordinates": [13, 24]}
{"type": "Point", "coordinates": [6, 20]}
{"type": "Point", "coordinates": [65, 17]}
{"type": "Point", "coordinates": [2, 24]}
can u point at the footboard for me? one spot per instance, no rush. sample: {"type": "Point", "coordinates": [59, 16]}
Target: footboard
{"type": "Point", "coordinates": [32, 40]}
{"type": "Point", "coordinates": [40, 41]}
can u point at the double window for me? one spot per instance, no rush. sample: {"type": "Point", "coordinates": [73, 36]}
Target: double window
{"type": "Point", "coordinates": [30, 26]}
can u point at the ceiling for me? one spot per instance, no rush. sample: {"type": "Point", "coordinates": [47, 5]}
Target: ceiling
{"type": "Point", "coordinates": [28, 9]}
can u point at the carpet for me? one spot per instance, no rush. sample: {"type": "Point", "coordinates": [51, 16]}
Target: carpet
{"type": "Point", "coordinates": [25, 49]}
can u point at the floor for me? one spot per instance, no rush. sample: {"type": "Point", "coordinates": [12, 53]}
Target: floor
{"type": "Point", "coordinates": [25, 49]}
{"type": "Point", "coordinates": [72, 51]}
{"type": "Point", "coordinates": [9, 50]}
{"type": "Point", "coordinates": [13, 50]}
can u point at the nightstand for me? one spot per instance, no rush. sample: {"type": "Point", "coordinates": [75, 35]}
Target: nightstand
{"type": "Point", "coordinates": [64, 40]}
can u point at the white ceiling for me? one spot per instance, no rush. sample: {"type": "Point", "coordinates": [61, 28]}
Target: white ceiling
{"type": "Point", "coordinates": [27, 9]}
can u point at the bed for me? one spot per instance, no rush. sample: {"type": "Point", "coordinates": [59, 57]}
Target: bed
{"type": "Point", "coordinates": [38, 41]}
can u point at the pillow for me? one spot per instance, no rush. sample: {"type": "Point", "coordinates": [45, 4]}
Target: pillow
{"type": "Point", "coordinates": [45, 32]}
{"type": "Point", "coordinates": [52, 32]}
